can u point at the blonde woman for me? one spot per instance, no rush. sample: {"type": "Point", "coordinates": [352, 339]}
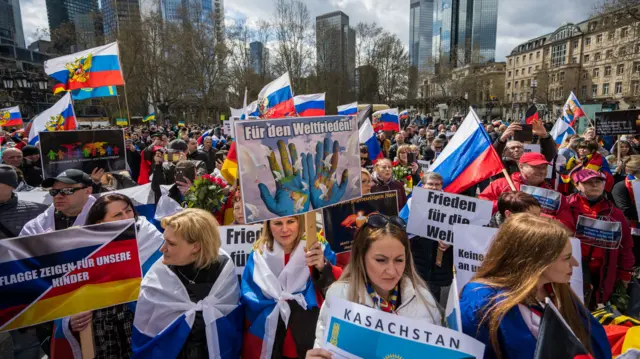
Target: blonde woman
{"type": "Point", "coordinates": [189, 300]}
{"type": "Point", "coordinates": [383, 181]}
{"type": "Point", "coordinates": [283, 286]}
{"type": "Point", "coordinates": [529, 260]}
{"type": "Point", "coordinates": [367, 181]}
{"type": "Point", "coordinates": [380, 275]}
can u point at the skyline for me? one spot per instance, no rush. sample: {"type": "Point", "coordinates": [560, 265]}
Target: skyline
{"type": "Point", "coordinates": [515, 23]}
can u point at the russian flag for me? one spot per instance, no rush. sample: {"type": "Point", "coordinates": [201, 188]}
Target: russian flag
{"type": "Point", "coordinates": [469, 157]}
{"type": "Point", "coordinates": [310, 105]}
{"type": "Point", "coordinates": [276, 99]}
{"type": "Point", "coordinates": [59, 117]}
{"type": "Point", "coordinates": [386, 120]}
{"type": "Point", "coordinates": [250, 111]}
{"type": "Point", "coordinates": [10, 116]}
{"type": "Point", "coordinates": [572, 110]}
{"type": "Point", "coordinates": [560, 129]}
{"type": "Point", "coordinates": [404, 114]}
{"type": "Point", "coordinates": [348, 109]}
{"type": "Point", "coordinates": [96, 67]}
{"type": "Point", "coordinates": [368, 137]}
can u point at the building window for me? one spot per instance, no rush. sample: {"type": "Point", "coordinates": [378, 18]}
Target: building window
{"type": "Point", "coordinates": [636, 67]}
{"type": "Point", "coordinates": [575, 43]}
{"type": "Point", "coordinates": [559, 55]}
{"type": "Point", "coordinates": [517, 72]}
{"type": "Point", "coordinates": [596, 57]}
{"type": "Point", "coordinates": [509, 73]}
{"type": "Point", "coordinates": [611, 34]}
{"type": "Point", "coordinates": [517, 60]}
{"type": "Point", "coordinates": [524, 58]}
{"type": "Point", "coordinates": [561, 77]}
{"type": "Point", "coordinates": [618, 88]}
{"type": "Point", "coordinates": [586, 58]}
{"type": "Point", "coordinates": [553, 77]}
{"type": "Point", "coordinates": [607, 71]}
{"type": "Point", "coordinates": [530, 56]}
{"type": "Point", "coordinates": [508, 97]}
{"type": "Point", "coordinates": [537, 67]}
{"type": "Point", "coordinates": [635, 87]}
{"type": "Point", "coordinates": [529, 70]}
{"type": "Point", "coordinates": [537, 54]}
{"type": "Point", "coordinates": [508, 85]}
{"type": "Point", "coordinates": [624, 32]}
{"type": "Point", "coordinates": [605, 89]}
{"type": "Point", "coordinates": [587, 41]}
{"type": "Point", "coordinates": [585, 75]}
{"type": "Point", "coordinates": [583, 91]}
{"type": "Point", "coordinates": [510, 63]}
{"type": "Point", "coordinates": [599, 39]}
{"type": "Point", "coordinates": [609, 54]}
{"type": "Point", "coordinates": [622, 51]}
{"type": "Point", "coordinates": [528, 83]}
{"type": "Point", "coordinates": [596, 72]}
{"type": "Point", "coordinates": [574, 60]}
{"type": "Point", "coordinates": [594, 90]}
{"type": "Point", "coordinates": [515, 85]}
{"type": "Point", "coordinates": [620, 69]}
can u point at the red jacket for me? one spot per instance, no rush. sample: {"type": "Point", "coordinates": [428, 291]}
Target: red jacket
{"type": "Point", "coordinates": [499, 186]}
{"type": "Point", "coordinates": [611, 263]}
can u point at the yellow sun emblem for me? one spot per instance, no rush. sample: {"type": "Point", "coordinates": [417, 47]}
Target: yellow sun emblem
{"type": "Point", "coordinates": [79, 69]}
{"type": "Point", "coordinates": [55, 123]}
{"type": "Point", "coordinates": [6, 115]}
{"type": "Point", "coordinates": [393, 356]}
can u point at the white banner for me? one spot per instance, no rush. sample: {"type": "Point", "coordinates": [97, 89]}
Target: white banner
{"type": "Point", "coordinates": [356, 331]}
{"type": "Point", "coordinates": [549, 199]}
{"type": "Point", "coordinates": [597, 233]}
{"type": "Point", "coordinates": [238, 242]}
{"type": "Point", "coordinates": [472, 244]}
{"type": "Point", "coordinates": [434, 213]}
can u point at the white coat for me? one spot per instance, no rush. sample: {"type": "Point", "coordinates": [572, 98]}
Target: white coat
{"type": "Point", "coordinates": [45, 222]}
{"type": "Point", "coordinates": [411, 306]}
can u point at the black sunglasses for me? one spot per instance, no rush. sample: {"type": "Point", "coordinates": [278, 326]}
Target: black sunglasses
{"type": "Point", "coordinates": [378, 220]}
{"type": "Point", "coordinates": [64, 191]}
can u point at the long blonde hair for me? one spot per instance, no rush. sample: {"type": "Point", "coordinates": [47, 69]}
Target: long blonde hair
{"type": "Point", "coordinates": [355, 273]}
{"type": "Point", "coordinates": [266, 237]}
{"type": "Point", "coordinates": [523, 249]}
{"type": "Point", "coordinates": [197, 226]}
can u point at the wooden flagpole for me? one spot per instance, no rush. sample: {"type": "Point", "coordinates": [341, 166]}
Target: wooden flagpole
{"type": "Point", "coordinates": [310, 228]}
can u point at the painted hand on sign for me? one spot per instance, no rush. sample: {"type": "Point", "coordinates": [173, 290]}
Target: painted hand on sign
{"type": "Point", "coordinates": [292, 193]}
{"type": "Point", "coordinates": [325, 190]}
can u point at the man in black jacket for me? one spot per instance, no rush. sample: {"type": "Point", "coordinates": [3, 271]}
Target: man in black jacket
{"type": "Point", "coordinates": [194, 154]}
{"type": "Point", "coordinates": [31, 166]}
{"type": "Point", "coordinates": [210, 151]}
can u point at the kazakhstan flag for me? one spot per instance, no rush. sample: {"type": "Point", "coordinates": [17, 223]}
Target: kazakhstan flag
{"type": "Point", "coordinates": [87, 93]}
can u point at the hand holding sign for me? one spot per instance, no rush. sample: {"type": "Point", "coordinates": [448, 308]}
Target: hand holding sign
{"type": "Point", "coordinates": [292, 193]}
{"type": "Point", "coordinates": [325, 189]}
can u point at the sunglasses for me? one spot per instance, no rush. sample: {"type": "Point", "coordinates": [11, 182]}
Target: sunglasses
{"type": "Point", "coordinates": [64, 191]}
{"type": "Point", "coordinates": [378, 220]}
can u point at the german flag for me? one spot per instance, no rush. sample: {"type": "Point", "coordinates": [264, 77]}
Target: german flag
{"type": "Point", "coordinates": [556, 340]}
{"type": "Point", "coordinates": [531, 115]}
{"type": "Point", "coordinates": [230, 166]}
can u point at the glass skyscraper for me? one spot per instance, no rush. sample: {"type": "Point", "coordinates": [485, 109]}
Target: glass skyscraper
{"type": "Point", "coordinates": [117, 12]}
{"type": "Point", "coordinates": [421, 34]}
{"type": "Point", "coordinates": [336, 45]}
{"type": "Point", "coordinates": [485, 27]}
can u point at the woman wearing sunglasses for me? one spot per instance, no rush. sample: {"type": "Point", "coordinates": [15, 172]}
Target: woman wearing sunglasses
{"type": "Point", "coordinates": [283, 287]}
{"type": "Point", "coordinates": [380, 275]}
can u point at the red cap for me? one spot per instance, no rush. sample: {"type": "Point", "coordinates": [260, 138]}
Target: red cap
{"type": "Point", "coordinates": [533, 159]}
{"type": "Point", "coordinates": [585, 175]}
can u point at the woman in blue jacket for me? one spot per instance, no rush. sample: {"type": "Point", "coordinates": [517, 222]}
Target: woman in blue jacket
{"type": "Point", "coordinates": [529, 260]}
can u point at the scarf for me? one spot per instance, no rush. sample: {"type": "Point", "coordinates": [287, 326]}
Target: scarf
{"type": "Point", "coordinates": [379, 180]}
{"type": "Point", "coordinates": [379, 302]}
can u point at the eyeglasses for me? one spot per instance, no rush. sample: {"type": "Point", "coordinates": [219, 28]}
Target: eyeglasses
{"type": "Point", "coordinates": [64, 191]}
{"type": "Point", "coordinates": [378, 220]}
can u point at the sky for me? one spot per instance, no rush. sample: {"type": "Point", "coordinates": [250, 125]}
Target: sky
{"type": "Point", "coordinates": [518, 20]}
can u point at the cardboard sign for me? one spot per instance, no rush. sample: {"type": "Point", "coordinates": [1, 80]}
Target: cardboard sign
{"type": "Point", "coordinates": [597, 233]}
{"type": "Point", "coordinates": [617, 122]}
{"type": "Point", "coordinates": [472, 245]}
{"type": "Point", "coordinates": [549, 200]}
{"type": "Point", "coordinates": [343, 220]}
{"type": "Point", "coordinates": [83, 150]}
{"type": "Point", "coordinates": [433, 213]}
{"type": "Point", "coordinates": [424, 166]}
{"type": "Point", "coordinates": [296, 165]}
{"type": "Point", "coordinates": [238, 242]}
{"type": "Point", "coordinates": [356, 331]}
{"type": "Point", "coordinates": [529, 147]}
{"type": "Point", "coordinates": [58, 274]}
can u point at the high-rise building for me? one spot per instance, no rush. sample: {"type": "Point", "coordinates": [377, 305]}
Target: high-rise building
{"type": "Point", "coordinates": [258, 57]}
{"type": "Point", "coordinates": [81, 16]}
{"type": "Point", "coordinates": [210, 12]}
{"type": "Point", "coordinates": [11, 22]}
{"type": "Point", "coordinates": [117, 13]}
{"type": "Point", "coordinates": [336, 45]}
{"type": "Point", "coordinates": [484, 30]}
{"type": "Point", "coordinates": [421, 34]}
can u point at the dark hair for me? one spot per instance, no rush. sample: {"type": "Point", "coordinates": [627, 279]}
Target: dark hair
{"type": "Point", "coordinates": [516, 202]}
{"type": "Point", "coordinates": [99, 209]}
{"type": "Point", "coordinates": [178, 145]}
{"type": "Point", "coordinates": [592, 146]}
{"type": "Point", "coordinates": [364, 149]}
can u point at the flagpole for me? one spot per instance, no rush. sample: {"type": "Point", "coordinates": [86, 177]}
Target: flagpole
{"type": "Point", "coordinates": [126, 98]}
{"type": "Point", "coordinates": [119, 108]}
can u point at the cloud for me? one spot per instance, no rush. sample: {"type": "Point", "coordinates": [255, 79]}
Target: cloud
{"type": "Point", "coordinates": [518, 20]}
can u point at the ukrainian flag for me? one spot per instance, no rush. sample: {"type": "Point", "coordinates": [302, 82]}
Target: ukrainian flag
{"type": "Point", "coordinates": [149, 117]}
{"type": "Point", "coordinates": [87, 93]}
{"type": "Point", "coordinates": [181, 123]}
{"type": "Point", "coordinates": [122, 121]}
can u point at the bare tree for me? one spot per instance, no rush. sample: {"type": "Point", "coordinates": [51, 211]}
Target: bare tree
{"type": "Point", "coordinates": [392, 63]}
{"type": "Point", "coordinates": [367, 35]}
{"type": "Point", "coordinates": [293, 53]}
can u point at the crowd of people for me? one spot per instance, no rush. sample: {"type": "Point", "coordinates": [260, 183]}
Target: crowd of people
{"type": "Point", "coordinates": [284, 289]}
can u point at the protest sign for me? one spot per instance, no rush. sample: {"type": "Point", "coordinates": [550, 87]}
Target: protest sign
{"type": "Point", "coordinates": [472, 244]}
{"type": "Point", "coordinates": [424, 165]}
{"type": "Point", "coordinates": [83, 150]}
{"type": "Point", "coordinates": [58, 274]}
{"type": "Point", "coordinates": [549, 199]}
{"type": "Point", "coordinates": [529, 147]}
{"type": "Point", "coordinates": [228, 127]}
{"type": "Point", "coordinates": [343, 220]}
{"type": "Point", "coordinates": [295, 165]}
{"type": "Point", "coordinates": [597, 233]}
{"type": "Point", "coordinates": [434, 213]}
{"type": "Point", "coordinates": [357, 331]}
{"type": "Point", "coordinates": [238, 242]}
{"type": "Point", "coordinates": [617, 122]}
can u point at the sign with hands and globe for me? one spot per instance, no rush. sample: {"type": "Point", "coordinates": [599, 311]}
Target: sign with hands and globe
{"type": "Point", "coordinates": [295, 165]}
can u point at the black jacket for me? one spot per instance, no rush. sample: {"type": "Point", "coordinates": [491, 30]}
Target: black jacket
{"type": "Point", "coordinates": [211, 158]}
{"type": "Point", "coordinates": [14, 214]}
{"type": "Point", "coordinates": [166, 174]}
{"type": "Point", "coordinates": [198, 156]}
{"type": "Point", "coordinates": [622, 199]}
{"type": "Point", "coordinates": [424, 253]}
{"type": "Point", "coordinates": [133, 160]}
{"type": "Point", "coordinates": [32, 174]}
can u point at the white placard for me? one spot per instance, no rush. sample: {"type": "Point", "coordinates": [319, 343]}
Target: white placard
{"type": "Point", "coordinates": [434, 213]}
{"type": "Point", "coordinates": [549, 199]}
{"type": "Point", "coordinates": [472, 244]}
{"type": "Point", "coordinates": [598, 233]}
{"type": "Point", "coordinates": [356, 331]}
{"type": "Point", "coordinates": [238, 242]}
{"type": "Point", "coordinates": [530, 147]}
{"type": "Point", "coordinates": [424, 165]}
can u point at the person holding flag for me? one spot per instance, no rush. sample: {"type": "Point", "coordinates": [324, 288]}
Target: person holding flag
{"type": "Point", "coordinates": [380, 275]}
{"type": "Point", "coordinates": [511, 151]}
{"type": "Point", "coordinates": [529, 260]}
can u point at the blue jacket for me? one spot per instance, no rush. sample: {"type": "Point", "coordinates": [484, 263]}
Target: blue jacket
{"type": "Point", "coordinates": [516, 340]}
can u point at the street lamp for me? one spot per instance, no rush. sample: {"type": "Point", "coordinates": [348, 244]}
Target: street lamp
{"type": "Point", "coordinates": [21, 80]}
{"type": "Point", "coordinates": [534, 85]}
{"type": "Point", "coordinates": [7, 82]}
{"type": "Point", "coordinates": [43, 83]}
